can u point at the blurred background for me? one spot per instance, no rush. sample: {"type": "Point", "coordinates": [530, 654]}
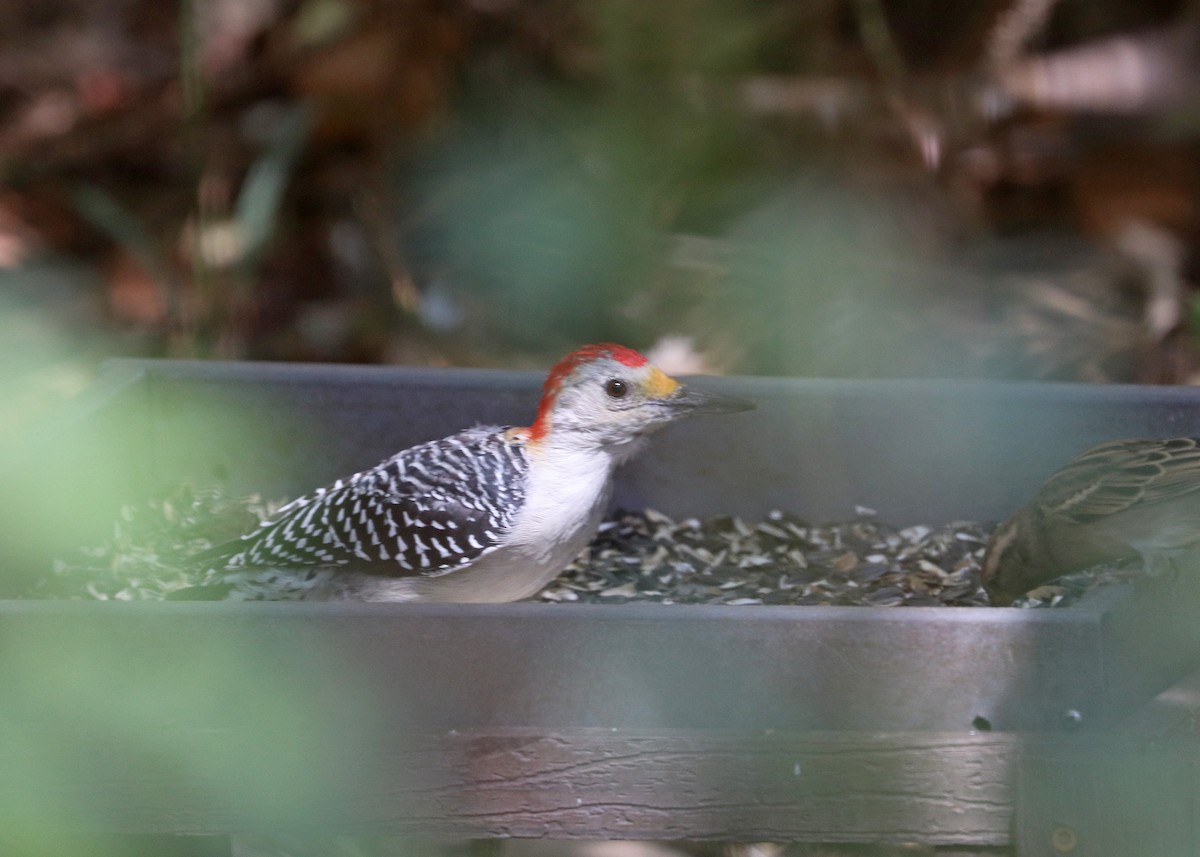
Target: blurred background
{"type": "Point", "coordinates": [999, 189]}
{"type": "Point", "coordinates": [839, 188]}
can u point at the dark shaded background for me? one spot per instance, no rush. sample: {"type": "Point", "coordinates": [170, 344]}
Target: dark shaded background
{"type": "Point", "coordinates": [836, 188]}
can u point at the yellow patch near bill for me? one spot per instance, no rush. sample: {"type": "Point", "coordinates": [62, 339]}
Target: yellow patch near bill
{"type": "Point", "coordinates": [660, 384]}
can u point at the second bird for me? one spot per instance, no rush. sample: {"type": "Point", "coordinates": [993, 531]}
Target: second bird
{"type": "Point", "coordinates": [1118, 500]}
{"type": "Point", "coordinates": [489, 514]}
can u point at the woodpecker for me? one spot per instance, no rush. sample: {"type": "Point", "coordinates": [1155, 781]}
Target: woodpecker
{"type": "Point", "coordinates": [490, 514]}
{"type": "Point", "coordinates": [1116, 501]}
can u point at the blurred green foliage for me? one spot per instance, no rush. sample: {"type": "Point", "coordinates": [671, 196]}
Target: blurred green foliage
{"type": "Point", "coordinates": [556, 199]}
{"type": "Point", "coordinates": [493, 183]}
{"type": "Point", "coordinates": [205, 733]}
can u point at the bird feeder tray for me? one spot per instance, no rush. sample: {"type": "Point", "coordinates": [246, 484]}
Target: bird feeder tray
{"type": "Point", "coordinates": [598, 721]}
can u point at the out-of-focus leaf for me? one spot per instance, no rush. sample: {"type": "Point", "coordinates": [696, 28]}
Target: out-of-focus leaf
{"type": "Point", "coordinates": [257, 208]}
{"type": "Point", "coordinates": [320, 21]}
{"type": "Point", "coordinates": [108, 214]}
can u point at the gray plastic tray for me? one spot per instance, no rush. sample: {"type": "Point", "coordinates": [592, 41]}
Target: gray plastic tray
{"type": "Point", "coordinates": [345, 680]}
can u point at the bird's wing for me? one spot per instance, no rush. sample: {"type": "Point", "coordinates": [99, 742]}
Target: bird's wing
{"type": "Point", "coordinates": [428, 510]}
{"type": "Point", "coordinates": [1114, 476]}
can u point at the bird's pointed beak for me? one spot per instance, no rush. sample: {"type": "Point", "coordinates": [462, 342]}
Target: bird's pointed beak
{"type": "Point", "coordinates": [686, 401]}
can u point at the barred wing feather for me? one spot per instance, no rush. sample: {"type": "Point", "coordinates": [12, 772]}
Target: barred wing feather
{"type": "Point", "coordinates": [427, 510]}
{"type": "Point", "coordinates": [1112, 477]}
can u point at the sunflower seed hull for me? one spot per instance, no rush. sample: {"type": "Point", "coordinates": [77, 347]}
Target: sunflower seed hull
{"type": "Point", "coordinates": [648, 556]}
{"type": "Point", "coordinates": [782, 559]}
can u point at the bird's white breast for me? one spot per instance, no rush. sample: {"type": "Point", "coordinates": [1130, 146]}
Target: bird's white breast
{"type": "Point", "coordinates": [566, 493]}
{"type": "Point", "coordinates": [565, 497]}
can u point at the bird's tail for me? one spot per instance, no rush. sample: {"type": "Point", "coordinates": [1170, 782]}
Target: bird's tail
{"type": "Point", "coordinates": [210, 568]}
{"type": "Point", "coordinates": [201, 592]}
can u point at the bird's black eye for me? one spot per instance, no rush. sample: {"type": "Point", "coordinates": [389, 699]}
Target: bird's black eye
{"type": "Point", "coordinates": [616, 388]}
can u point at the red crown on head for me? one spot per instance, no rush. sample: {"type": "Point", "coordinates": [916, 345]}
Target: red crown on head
{"type": "Point", "coordinates": [563, 368]}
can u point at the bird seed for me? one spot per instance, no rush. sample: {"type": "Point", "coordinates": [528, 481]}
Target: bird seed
{"type": "Point", "coordinates": [787, 560]}
{"type": "Point", "coordinates": [635, 556]}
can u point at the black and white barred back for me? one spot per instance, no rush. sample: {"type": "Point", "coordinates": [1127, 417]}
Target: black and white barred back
{"type": "Point", "coordinates": [427, 510]}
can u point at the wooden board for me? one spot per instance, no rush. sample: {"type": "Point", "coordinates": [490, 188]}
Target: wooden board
{"type": "Point", "coordinates": [938, 789]}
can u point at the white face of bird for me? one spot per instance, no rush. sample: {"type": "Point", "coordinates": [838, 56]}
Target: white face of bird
{"type": "Point", "coordinates": [614, 398]}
